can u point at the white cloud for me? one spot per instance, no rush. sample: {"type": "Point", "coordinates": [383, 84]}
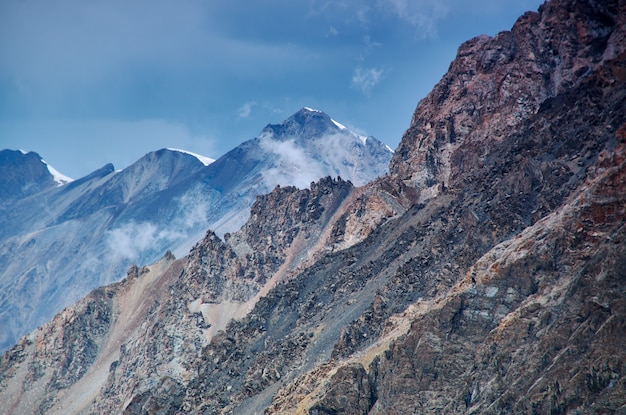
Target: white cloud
{"type": "Point", "coordinates": [293, 166]}
{"type": "Point", "coordinates": [365, 79]}
{"type": "Point", "coordinates": [195, 210]}
{"type": "Point", "coordinates": [337, 154]}
{"type": "Point", "coordinates": [422, 14]}
{"type": "Point", "coordinates": [245, 110]}
{"type": "Point", "coordinates": [129, 241]}
{"type": "Point", "coordinates": [134, 239]}
{"type": "Point", "coordinates": [369, 43]}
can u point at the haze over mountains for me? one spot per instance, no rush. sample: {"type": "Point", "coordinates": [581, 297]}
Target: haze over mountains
{"type": "Point", "coordinates": [61, 239]}
{"type": "Point", "coordinates": [485, 274]}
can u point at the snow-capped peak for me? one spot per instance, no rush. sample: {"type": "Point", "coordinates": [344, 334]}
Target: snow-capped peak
{"type": "Point", "coordinates": [60, 178]}
{"type": "Point", "coordinates": [343, 127]}
{"type": "Point", "coordinates": [311, 109]}
{"type": "Point", "coordinates": [203, 159]}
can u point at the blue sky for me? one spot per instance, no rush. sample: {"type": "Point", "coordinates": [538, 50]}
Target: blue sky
{"type": "Point", "coordinates": [87, 82]}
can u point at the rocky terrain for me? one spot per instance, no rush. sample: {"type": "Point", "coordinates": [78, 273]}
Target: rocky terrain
{"type": "Point", "coordinates": [60, 240]}
{"type": "Point", "coordinates": [485, 274]}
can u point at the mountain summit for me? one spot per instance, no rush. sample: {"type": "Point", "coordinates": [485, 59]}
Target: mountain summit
{"type": "Point", "coordinates": [310, 145]}
{"type": "Point", "coordinates": [59, 242]}
{"type": "Point", "coordinates": [308, 123]}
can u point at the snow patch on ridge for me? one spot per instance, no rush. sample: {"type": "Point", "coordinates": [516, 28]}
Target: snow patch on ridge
{"type": "Point", "coordinates": [343, 127]}
{"type": "Point", "coordinates": [203, 159]}
{"type": "Point", "coordinates": [60, 178]}
{"type": "Point", "coordinates": [311, 109]}
{"type": "Point", "coordinates": [338, 124]}
{"type": "Point", "coordinates": [362, 138]}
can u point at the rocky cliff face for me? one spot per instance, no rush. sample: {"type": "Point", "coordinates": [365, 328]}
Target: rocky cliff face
{"type": "Point", "coordinates": [486, 274]}
{"type": "Point", "coordinates": [496, 84]}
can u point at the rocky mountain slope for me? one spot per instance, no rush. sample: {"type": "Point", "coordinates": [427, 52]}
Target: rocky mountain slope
{"type": "Point", "coordinates": [485, 274]}
{"type": "Point", "coordinates": [59, 242]}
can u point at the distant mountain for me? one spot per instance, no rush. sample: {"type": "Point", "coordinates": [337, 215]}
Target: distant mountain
{"type": "Point", "coordinates": [57, 243]}
{"type": "Point", "coordinates": [23, 174]}
{"type": "Point", "coordinates": [485, 274]}
{"type": "Point", "coordinates": [59, 238]}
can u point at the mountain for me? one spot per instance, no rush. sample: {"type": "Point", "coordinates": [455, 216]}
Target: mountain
{"type": "Point", "coordinates": [60, 240]}
{"type": "Point", "coordinates": [24, 174]}
{"type": "Point", "coordinates": [484, 274]}
{"type": "Point", "coordinates": [63, 241]}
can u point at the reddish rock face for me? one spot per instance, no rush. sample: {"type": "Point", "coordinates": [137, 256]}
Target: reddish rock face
{"type": "Point", "coordinates": [496, 84]}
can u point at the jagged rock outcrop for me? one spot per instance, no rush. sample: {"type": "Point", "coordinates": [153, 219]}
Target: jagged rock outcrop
{"type": "Point", "coordinates": [123, 345]}
{"type": "Point", "coordinates": [486, 274]}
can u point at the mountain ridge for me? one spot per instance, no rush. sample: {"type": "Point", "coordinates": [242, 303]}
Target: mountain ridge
{"type": "Point", "coordinates": [34, 174]}
{"type": "Point", "coordinates": [100, 224]}
{"type": "Point", "coordinates": [484, 274]}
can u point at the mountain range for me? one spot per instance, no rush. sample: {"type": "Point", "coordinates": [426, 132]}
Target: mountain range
{"type": "Point", "coordinates": [59, 239]}
{"type": "Point", "coordinates": [485, 274]}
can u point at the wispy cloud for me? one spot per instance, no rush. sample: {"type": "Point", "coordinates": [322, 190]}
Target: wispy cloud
{"type": "Point", "coordinates": [129, 241]}
{"type": "Point", "coordinates": [293, 166]}
{"type": "Point", "coordinates": [422, 14]}
{"type": "Point", "coordinates": [364, 79]}
{"type": "Point", "coordinates": [340, 153]}
{"type": "Point", "coordinates": [133, 240]}
{"type": "Point", "coordinates": [245, 110]}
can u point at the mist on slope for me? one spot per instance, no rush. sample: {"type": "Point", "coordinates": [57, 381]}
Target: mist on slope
{"type": "Point", "coordinates": [133, 240]}
{"type": "Point", "coordinates": [292, 166]}
{"type": "Point", "coordinates": [337, 154]}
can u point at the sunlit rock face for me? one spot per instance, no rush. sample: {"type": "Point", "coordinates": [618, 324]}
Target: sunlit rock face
{"type": "Point", "coordinates": [497, 287]}
{"type": "Point", "coordinates": [497, 84]}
